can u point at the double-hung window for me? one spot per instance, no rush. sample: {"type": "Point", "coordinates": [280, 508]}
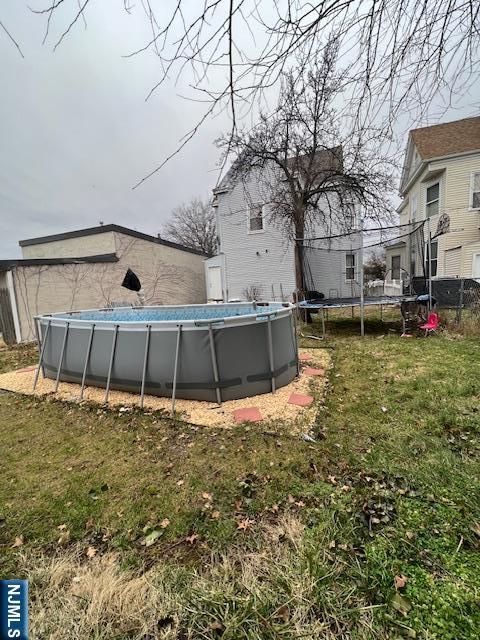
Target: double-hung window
{"type": "Point", "coordinates": [395, 267]}
{"type": "Point", "coordinates": [256, 221]}
{"type": "Point", "coordinates": [432, 200]}
{"type": "Point", "coordinates": [434, 258]}
{"type": "Point", "coordinates": [350, 266]}
{"type": "Point", "coordinates": [413, 209]}
{"type": "Point", "coordinates": [475, 190]}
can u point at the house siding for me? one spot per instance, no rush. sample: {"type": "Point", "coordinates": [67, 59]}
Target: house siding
{"type": "Point", "coordinates": [453, 262]}
{"type": "Point", "coordinates": [261, 260]}
{"type": "Point", "coordinates": [266, 260]}
{"type": "Point", "coordinates": [168, 276]}
{"type": "Point", "coordinates": [454, 175]}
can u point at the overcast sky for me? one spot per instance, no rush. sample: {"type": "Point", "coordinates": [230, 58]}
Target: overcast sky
{"type": "Point", "coordinates": [77, 134]}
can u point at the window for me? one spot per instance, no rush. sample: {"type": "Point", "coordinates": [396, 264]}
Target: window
{"type": "Point", "coordinates": [434, 259]}
{"type": "Point", "coordinates": [350, 266]}
{"type": "Point", "coordinates": [413, 261]}
{"type": "Point", "coordinates": [349, 216]}
{"type": "Point", "coordinates": [395, 267]}
{"type": "Point", "coordinates": [433, 199]}
{"type": "Point", "coordinates": [475, 190]}
{"type": "Point", "coordinates": [413, 209]}
{"type": "Point", "coordinates": [255, 218]}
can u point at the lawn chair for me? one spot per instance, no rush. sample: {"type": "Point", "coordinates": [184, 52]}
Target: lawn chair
{"type": "Point", "coordinates": [432, 324]}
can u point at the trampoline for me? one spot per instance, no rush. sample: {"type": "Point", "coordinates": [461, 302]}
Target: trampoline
{"type": "Point", "coordinates": [323, 304]}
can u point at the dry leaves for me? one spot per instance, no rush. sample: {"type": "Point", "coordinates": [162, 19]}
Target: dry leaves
{"type": "Point", "coordinates": [164, 523]}
{"type": "Point", "coordinates": [91, 552]}
{"type": "Point", "coordinates": [191, 538]}
{"type": "Point", "coordinates": [18, 542]}
{"type": "Point", "coordinates": [400, 581]}
{"type": "Point", "coordinates": [64, 538]}
{"type": "Point", "coordinates": [243, 525]}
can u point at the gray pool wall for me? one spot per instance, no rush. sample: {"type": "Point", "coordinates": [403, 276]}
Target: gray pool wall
{"type": "Point", "coordinates": [241, 349]}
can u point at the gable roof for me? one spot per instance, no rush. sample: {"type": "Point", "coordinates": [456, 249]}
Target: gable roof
{"type": "Point", "coordinates": [448, 138]}
{"type": "Point", "coordinates": [5, 265]}
{"type": "Point", "coordinates": [325, 160]}
{"type": "Point", "coordinates": [105, 229]}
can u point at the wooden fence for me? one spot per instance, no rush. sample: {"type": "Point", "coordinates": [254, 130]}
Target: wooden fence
{"type": "Point", "coordinates": [7, 327]}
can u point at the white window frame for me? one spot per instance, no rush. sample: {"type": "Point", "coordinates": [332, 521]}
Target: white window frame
{"type": "Point", "coordinates": [470, 199]}
{"type": "Point", "coordinates": [351, 214]}
{"type": "Point", "coordinates": [427, 187]}
{"type": "Point", "coordinates": [432, 260]}
{"type": "Point", "coordinates": [262, 209]}
{"type": "Point", "coordinates": [396, 255]}
{"type": "Point", "coordinates": [414, 207]}
{"type": "Point", "coordinates": [474, 255]}
{"type": "Point", "coordinates": [354, 266]}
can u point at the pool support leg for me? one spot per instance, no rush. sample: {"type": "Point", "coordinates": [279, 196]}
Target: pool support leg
{"type": "Point", "coordinates": [295, 339]}
{"type": "Point", "coordinates": [323, 324]}
{"type": "Point", "coordinates": [214, 363]}
{"type": "Point", "coordinates": [145, 364]}
{"type": "Point", "coordinates": [270, 352]}
{"type": "Point", "coordinates": [62, 354]}
{"type": "Point", "coordinates": [175, 368]}
{"type": "Point", "coordinates": [40, 359]}
{"type": "Point", "coordinates": [110, 366]}
{"type": "Point", "coordinates": [87, 358]}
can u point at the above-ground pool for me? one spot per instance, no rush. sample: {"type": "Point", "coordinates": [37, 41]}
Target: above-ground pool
{"type": "Point", "coordinates": [200, 352]}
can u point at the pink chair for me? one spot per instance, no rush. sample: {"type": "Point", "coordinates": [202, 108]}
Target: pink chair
{"type": "Point", "coordinates": [432, 324]}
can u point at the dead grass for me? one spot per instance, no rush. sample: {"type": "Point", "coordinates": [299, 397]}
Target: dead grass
{"type": "Point", "coordinates": [268, 592]}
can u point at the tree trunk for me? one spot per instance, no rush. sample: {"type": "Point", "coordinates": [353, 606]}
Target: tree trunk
{"type": "Point", "coordinates": [299, 266]}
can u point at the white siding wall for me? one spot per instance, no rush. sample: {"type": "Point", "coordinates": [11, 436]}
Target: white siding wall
{"type": "Point", "coordinates": [253, 259]}
{"type": "Point", "coordinates": [454, 175]}
{"type": "Point", "coordinates": [452, 262]}
{"type": "Point", "coordinates": [266, 260]}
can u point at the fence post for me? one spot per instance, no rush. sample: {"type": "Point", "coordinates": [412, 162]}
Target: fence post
{"type": "Point", "coordinates": [460, 302]}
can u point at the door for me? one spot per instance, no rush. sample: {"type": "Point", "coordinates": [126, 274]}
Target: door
{"type": "Point", "coordinates": [476, 266]}
{"type": "Point", "coordinates": [214, 291]}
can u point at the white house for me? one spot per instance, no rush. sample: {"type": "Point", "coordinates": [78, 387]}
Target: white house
{"type": "Point", "coordinates": [441, 175]}
{"type": "Point", "coordinates": [256, 255]}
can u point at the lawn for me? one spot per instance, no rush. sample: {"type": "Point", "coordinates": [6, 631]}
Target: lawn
{"type": "Point", "coordinates": [130, 525]}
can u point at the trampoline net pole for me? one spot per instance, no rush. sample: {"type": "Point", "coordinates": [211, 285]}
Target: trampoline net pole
{"type": "Point", "coordinates": [362, 294]}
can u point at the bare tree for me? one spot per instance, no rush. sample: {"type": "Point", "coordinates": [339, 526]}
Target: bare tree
{"type": "Point", "coordinates": [230, 51]}
{"type": "Point", "coordinates": [193, 225]}
{"type": "Point", "coordinates": [308, 165]}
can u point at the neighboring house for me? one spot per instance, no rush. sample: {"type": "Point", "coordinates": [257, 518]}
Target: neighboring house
{"type": "Point", "coordinates": [256, 257]}
{"type": "Point", "coordinates": [441, 175]}
{"type": "Point", "coordinates": [84, 269]}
